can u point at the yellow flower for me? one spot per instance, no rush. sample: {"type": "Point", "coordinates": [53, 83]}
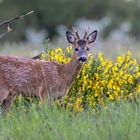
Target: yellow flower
{"type": "Point", "coordinates": [100, 80]}
{"type": "Point", "coordinates": [96, 94]}
{"type": "Point", "coordinates": [101, 57]}
{"type": "Point", "coordinates": [111, 98]}
{"type": "Point", "coordinates": [43, 56]}
{"type": "Point", "coordinates": [96, 76]}
{"type": "Point", "coordinates": [134, 62]}
{"type": "Point", "coordinates": [120, 60]}
{"type": "Point", "coordinates": [115, 68]}
{"type": "Point", "coordinates": [52, 54]}
{"type": "Point", "coordinates": [130, 81]}
{"type": "Point", "coordinates": [110, 84]}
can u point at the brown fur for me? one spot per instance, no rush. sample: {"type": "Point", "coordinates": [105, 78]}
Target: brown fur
{"type": "Point", "coordinates": [28, 77]}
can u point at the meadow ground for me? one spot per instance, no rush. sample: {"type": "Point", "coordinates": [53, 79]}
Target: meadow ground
{"type": "Point", "coordinates": [118, 121]}
{"type": "Point", "coordinates": [105, 106]}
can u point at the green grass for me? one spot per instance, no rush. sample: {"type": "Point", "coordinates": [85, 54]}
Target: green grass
{"type": "Point", "coordinates": [118, 122]}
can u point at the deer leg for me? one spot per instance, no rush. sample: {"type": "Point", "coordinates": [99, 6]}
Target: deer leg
{"type": "Point", "coordinates": [8, 102]}
{"type": "Point", "coordinates": [42, 95]}
{"type": "Point", "coordinates": [3, 95]}
{"type": "Point", "coordinates": [4, 92]}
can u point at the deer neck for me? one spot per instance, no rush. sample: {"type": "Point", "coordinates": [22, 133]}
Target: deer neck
{"type": "Point", "coordinates": [73, 68]}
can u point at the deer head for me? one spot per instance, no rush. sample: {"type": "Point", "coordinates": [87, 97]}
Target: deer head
{"type": "Point", "coordinates": [81, 46]}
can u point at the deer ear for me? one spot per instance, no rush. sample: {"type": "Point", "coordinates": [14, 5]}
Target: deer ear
{"type": "Point", "coordinates": [70, 37]}
{"type": "Point", "coordinates": [92, 36]}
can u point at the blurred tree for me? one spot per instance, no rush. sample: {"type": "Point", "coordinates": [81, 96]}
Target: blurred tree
{"type": "Point", "coordinates": [50, 13]}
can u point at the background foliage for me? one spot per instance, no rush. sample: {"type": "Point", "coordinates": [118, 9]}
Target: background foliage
{"type": "Point", "coordinates": [50, 13]}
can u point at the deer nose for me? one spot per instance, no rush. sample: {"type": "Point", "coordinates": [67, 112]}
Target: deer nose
{"type": "Point", "coordinates": [82, 59]}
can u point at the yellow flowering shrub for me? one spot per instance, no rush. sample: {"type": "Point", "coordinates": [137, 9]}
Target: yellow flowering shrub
{"type": "Point", "coordinates": [101, 80]}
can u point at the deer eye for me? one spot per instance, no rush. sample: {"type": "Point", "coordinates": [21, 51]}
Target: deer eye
{"type": "Point", "coordinates": [76, 49]}
{"type": "Point", "coordinates": [87, 49]}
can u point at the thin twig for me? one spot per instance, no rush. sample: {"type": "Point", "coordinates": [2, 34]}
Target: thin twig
{"type": "Point", "coordinates": [15, 18]}
{"type": "Point", "coordinates": [11, 19]}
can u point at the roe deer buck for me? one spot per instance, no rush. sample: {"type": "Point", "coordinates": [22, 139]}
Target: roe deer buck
{"type": "Point", "coordinates": [28, 77]}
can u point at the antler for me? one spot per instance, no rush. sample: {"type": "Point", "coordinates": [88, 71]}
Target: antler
{"type": "Point", "coordinates": [76, 32]}
{"type": "Point", "coordinates": [86, 31]}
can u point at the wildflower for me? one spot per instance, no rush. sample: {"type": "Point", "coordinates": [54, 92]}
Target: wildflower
{"type": "Point", "coordinates": [43, 56]}
{"type": "Point", "coordinates": [111, 98]}
{"type": "Point", "coordinates": [96, 76]}
{"type": "Point", "coordinates": [100, 80]}
{"type": "Point", "coordinates": [130, 81]}
{"type": "Point", "coordinates": [101, 57]}
{"type": "Point", "coordinates": [52, 54]}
